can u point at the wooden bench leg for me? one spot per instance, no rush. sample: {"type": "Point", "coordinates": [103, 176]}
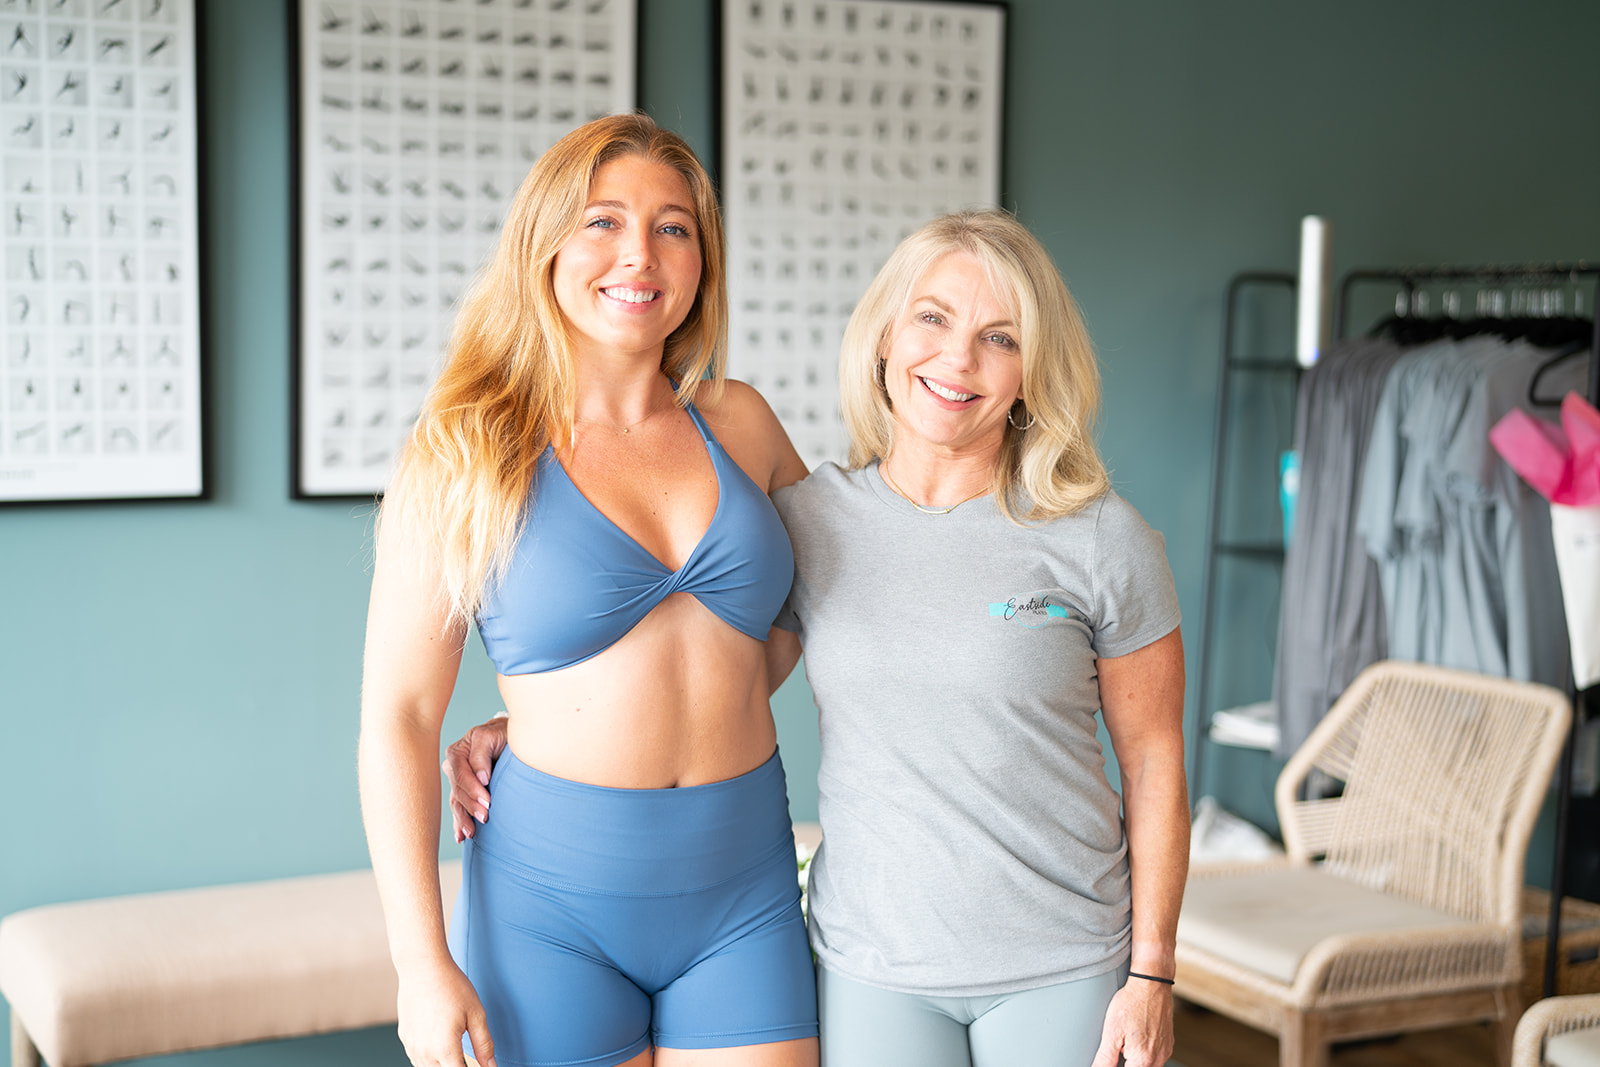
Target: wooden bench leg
{"type": "Point", "coordinates": [23, 1051]}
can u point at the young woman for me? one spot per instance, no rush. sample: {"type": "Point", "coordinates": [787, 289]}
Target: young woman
{"type": "Point", "coordinates": [585, 486]}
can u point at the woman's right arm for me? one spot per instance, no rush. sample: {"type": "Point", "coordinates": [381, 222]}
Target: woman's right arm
{"type": "Point", "coordinates": [783, 646]}
{"type": "Point", "coordinates": [783, 652]}
{"type": "Point", "coordinates": [408, 672]}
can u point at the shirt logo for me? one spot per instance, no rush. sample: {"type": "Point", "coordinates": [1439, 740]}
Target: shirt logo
{"type": "Point", "coordinates": [1036, 610]}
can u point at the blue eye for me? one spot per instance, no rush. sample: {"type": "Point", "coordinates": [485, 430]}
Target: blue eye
{"type": "Point", "coordinates": [1002, 340]}
{"type": "Point", "coordinates": [601, 222]}
{"type": "Point", "coordinates": [932, 317]}
{"type": "Point", "coordinates": [677, 229]}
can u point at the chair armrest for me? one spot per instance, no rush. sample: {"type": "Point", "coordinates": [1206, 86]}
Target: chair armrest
{"type": "Point", "coordinates": [1363, 967]}
{"type": "Point", "coordinates": [1549, 1018]}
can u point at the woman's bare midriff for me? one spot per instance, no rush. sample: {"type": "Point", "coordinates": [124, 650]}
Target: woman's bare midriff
{"type": "Point", "coordinates": [680, 700]}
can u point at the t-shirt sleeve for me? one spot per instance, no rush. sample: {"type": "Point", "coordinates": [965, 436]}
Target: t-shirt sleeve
{"type": "Point", "coordinates": [788, 616]}
{"type": "Point", "coordinates": [1135, 597]}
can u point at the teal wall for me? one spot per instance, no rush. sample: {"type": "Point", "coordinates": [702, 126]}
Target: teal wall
{"type": "Point", "coordinates": [178, 683]}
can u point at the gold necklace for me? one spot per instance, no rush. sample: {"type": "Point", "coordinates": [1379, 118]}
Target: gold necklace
{"type": "Point", "coordinates": [621, 429]}
{"type": "Point", "coordinates": [883, 470]}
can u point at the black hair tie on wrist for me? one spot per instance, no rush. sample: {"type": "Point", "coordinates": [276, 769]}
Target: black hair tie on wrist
{"type": "Point", "coordinates": [1150, 978]}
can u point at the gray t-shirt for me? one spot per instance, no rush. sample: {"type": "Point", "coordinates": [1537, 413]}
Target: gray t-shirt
{"type": "Point", "coordinates": [971, 842]}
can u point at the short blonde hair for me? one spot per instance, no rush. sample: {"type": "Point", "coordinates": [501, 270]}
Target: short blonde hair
{"type": "Point", "coordinates": [1050, 469]}
{"type": "Point", "coordinates": [508, 389]}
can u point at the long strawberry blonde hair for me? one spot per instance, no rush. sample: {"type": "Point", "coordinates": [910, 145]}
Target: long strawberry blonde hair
{"type": "Point", "coordinates": [460, 484]}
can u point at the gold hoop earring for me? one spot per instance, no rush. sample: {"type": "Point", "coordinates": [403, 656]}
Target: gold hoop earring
{"type": "Point", "coordinates": [1011, 417]}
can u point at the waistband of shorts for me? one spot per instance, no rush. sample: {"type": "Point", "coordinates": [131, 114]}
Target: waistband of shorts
{"type": "Point", "coordinates": [634, 841]}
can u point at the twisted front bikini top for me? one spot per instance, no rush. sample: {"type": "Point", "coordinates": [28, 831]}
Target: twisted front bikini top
{"type": "Point", "coordinates": [577, 583]}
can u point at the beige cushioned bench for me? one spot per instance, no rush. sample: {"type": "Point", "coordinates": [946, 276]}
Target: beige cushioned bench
{"type": "Point", "coordinates": [103, 980]}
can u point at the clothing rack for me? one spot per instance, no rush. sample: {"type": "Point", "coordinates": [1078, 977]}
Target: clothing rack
{"type": "Point", "coordinates": [1548, 277]}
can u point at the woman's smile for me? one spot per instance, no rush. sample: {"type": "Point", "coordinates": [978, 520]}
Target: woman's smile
{"type": "Point", "coordinates": [954, 363]}
{"type": "Point", "coordinates": [630, 273]}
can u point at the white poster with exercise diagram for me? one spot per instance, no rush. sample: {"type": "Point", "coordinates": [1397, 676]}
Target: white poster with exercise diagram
{"type": "Point", "coordinates": [845, 126]}
{"type": "Point", "coordinates": [100, 362]}
{"type": "Point", "coordinates": [418, 120]}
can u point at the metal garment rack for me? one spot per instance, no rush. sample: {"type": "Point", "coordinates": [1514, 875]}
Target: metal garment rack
{"type": "Point", "coordinates": [1216, 548]}
{"type": "Point", "coordinates": [1547, 275]}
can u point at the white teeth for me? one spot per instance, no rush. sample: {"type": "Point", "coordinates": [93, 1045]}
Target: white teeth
{"type": "Point", "coordinates": [631, 296]}
{"type": "Point", "coordinates": [948, 394]}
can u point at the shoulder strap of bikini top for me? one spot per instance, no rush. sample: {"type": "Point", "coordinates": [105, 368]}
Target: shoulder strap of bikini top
{"type": "Point", "coordinates": [700, 424]}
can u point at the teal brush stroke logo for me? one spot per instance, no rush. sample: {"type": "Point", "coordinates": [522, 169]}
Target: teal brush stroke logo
{"type": "Point", "coordinates": [1033, 610]}
{"type": "Point", "coordinates": [1009, 610]}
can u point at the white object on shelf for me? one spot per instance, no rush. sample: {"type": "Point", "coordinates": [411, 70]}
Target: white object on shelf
{"type": "Point", "coordinates": [1219, 836]}
{"type": "Point", "coordinates": [1248, 726]}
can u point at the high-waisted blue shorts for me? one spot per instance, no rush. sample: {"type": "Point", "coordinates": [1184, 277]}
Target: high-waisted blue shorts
{"type": "Point", "coordinates": [595, 922]}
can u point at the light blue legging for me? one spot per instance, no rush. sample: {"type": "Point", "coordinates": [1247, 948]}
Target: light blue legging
{"type": "Point", "coordinates": [1052, 1026]}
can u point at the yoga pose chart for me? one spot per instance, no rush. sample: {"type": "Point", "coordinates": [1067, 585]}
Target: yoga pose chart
{"type": "Point", "coordinates": [417, 122]}
{"type": "Point", "coordinates": [845, 126]}
{"type": "Point", "coordinates": [100, 391]}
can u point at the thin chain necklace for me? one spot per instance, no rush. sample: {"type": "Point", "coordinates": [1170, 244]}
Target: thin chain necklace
{"type": "Point", "coordinates": [901, 493]}
{"type": "Point", "coordinates": [622, 429]}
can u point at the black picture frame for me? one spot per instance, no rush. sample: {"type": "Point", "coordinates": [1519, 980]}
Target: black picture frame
{"type": "Point", "coordinates": [414, 123]}
{"type": "Point", "coordinates": [842, 125]}
{"type": "Point", "coordinates": [103, 386]}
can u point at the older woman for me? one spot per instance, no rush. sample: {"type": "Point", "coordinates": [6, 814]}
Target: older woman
{"type": "Point", "coordinates": [969, 592]}
{"type": "Point", "coordinates": [581, 485]}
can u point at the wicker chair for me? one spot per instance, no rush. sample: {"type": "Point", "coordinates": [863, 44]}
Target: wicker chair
{"type": "Point", "coordinates": [1559, 1032]}
{"type": "Point", "coordinates": [1412, 920]}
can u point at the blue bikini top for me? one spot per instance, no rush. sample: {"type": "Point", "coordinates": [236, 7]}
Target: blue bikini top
{"type": "Point", "coordinates": [577, 583]}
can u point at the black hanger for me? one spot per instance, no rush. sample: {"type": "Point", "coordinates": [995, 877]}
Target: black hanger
{"type": "Point", "coordinates": [1551, 332]}
{"type": "Point", "coordinates": [1567, 352]}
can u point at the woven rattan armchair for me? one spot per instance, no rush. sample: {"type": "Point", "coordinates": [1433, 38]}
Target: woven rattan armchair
{"type": "Point", "coordinates": [1559, 1032]}
{"type": "Point", "coordinates": [1412, 919]}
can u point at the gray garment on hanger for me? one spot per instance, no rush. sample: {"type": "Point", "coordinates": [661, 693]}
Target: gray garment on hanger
{"type": "Point", "coordinates": [1331, 622]}
{"type": "Point", "coordinates": [1399, 514]}
{"type": "Point", "coordinates": [1503, 606]}
{"type": "Point", "coordinates": [1462, 545]}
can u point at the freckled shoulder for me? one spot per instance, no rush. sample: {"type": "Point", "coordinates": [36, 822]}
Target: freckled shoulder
{"type": "Point", "coordinates": [752, 435]}
{"type": "Point", "coordinates": [739, 402]}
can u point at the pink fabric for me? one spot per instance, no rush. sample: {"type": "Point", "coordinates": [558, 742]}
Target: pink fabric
{"type": "Point", "coordinates": [1561, 462]}
{"type": "Point", "coordinates": [1582, 423]}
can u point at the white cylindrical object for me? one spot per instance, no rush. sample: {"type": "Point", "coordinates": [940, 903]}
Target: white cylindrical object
{"type": "Point", "coordinates": [1311, 326]}
{"type": "Point", "coordinates": [1576, 532]}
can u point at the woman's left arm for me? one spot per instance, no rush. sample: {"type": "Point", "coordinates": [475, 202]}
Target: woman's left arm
{"type": "Point", "coordinates": [751, 432]}
{"type": "Point", "coordinates": [749, 429]}
{"type": "Point", "coordinates": [1141, 699]}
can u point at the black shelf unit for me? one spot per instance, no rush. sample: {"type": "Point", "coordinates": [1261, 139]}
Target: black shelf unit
{"type": "Point", "coordinates": [1287, 370]}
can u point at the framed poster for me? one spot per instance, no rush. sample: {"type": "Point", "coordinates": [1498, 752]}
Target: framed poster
{"type": "Point", "coordinates": [845, 125]}
{"type": "Point", "coordinates": [417, 121]}
{"type": "Point", "coordinates": [101, 392]}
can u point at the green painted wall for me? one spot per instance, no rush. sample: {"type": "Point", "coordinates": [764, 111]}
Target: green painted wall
{"type": "Point", "coordinates": [178, 683]}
